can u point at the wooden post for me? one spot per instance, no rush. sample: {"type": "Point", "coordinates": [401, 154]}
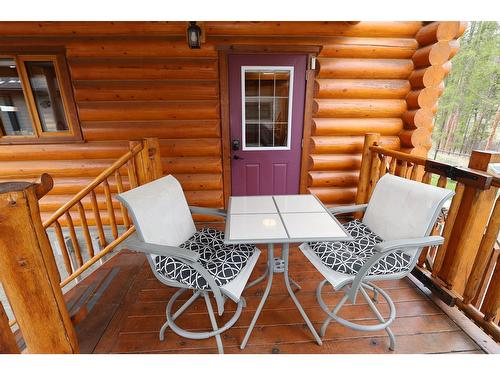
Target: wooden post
{"type": "Point", "coordinates": [468, 228]}
{"type": "Point", "coordinates": [148, 161]}
{"type": "Point", "coordinates": [29, 273]}
{"type": "Point", "coordinates": [371, 139]}
{"type": "Point", "coordinates": [151, 152]}
{"type": "Point", "coordinates": [8, 344]}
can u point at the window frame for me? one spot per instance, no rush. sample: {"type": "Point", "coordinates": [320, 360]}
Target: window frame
{"type": "Point", "coordinates": [74, 133]}
{"type": "Point", "coordinates": [246, 68]}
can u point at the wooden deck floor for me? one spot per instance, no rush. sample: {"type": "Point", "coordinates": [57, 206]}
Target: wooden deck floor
{"type": "Point", "coordinates": [127, 305]}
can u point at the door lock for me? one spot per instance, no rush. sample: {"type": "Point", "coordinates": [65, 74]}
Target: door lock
{"type": "Point", "coordinates": [236, 144]}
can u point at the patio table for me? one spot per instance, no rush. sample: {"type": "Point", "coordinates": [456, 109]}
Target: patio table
{"type": "Point", "coordinates": [280, 219]}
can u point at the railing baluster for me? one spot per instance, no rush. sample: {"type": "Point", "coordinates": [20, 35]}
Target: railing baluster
{"type": "Point", "coordinates": [374, 173]}
{"type": "Point", "coordinates": [86, 232]}
{"type": "Point", "coordinates": [132, 173]}
{"type": "Point", "coordinates": [64, 249]}
{"type": "Point", "coordinates": [383, 166]}
{"type": "Point", "coordinates": [448, 227]}
{"type": "Point", "coordinates": [484, 256]}
{"type": "Point", "coordinates": [427, 178]}
{"type": "Point", "coordinates": [485, 280]}
{"type": "Point", "coordinates": [403, 165]}
{"type": "Point", "coordinates": [74, 239]}
{"type": "Point", "coordinates": [98, 221]}
{"type": "Point", "coordinates": [409, 169]}
{"type": "Point", "coordinates": [111, 210]}
{"type": "Point", "coordinates": [443, 180]}
{"type": "Point", "coordinates": [414, 172]}
{"type": "Point", "coordinates": [8, 344]}
{"type": "Point", "coordinates": [119, 184]}
{"type": "Point", "coordinates": [491, 303]}
{"type": "Point", "coordinates": [392, 165]}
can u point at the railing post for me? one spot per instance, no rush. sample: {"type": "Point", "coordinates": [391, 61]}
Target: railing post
{"type": "Point", "coordinates": [8, 344]}
{"type": "Point", "coordinates": [153, 158]}
{"type": "Point", "coordinates": [371, 139]}
{"type": "Point", "coordinates": [29, 273]}
{"type": "Point", "coordinates": [148, 161]}
{"type": "Point", "coordinates": [468, 228]}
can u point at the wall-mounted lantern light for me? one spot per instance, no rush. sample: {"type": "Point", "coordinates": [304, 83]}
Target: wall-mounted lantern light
{"type": "Point", "coordinates": [194, 35]}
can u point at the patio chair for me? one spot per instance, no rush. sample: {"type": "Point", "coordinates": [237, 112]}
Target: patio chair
{"type": "Point", "coordinates": [386, 244]}
{"type": "Point", "coordinates": [182, 257]}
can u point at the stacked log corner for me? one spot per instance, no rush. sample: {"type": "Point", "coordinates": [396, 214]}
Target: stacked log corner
{"type": "Point", "coordinates": [29, 273]}
{"type": "Point", "coordinates": [431, 64]}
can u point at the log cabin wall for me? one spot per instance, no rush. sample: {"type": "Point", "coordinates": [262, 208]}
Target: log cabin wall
{"type": "Point", "coordinates": [431, 64]}
{"type": "Point", "coordinates": [139, 79]}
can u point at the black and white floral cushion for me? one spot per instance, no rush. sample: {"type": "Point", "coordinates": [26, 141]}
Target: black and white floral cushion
{"type": "Point", "coordinates": [223, 262]}
{"type": "Point", "coordinates": [349, 257]}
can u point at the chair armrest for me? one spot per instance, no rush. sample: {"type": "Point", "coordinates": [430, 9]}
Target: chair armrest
{"type": "Point", "coordinates": [348, 209]}
{"type": "Point", "coordinates": [207, 211]}
{"type": "Point", "coordinates": [386, 246]}
{"type": "Point", "coordinates": [136, 244]}
{"type": "Point", "coordinates": [382, 250]}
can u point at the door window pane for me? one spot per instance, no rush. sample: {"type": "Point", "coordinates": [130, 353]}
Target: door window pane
{"type": "Point", "coordinates": [43, 80]}
{"type": "Point", "coordinates": [266, 107]}
{"type": "Point", "coordinates": [14, 115]}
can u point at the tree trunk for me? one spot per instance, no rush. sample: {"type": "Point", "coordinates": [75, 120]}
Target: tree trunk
{"type": "Point", "coordinates": [493, 129]}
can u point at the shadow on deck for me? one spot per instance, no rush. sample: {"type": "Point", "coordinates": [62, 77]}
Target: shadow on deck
{"type": "Point", "coordinates": [125, 307]}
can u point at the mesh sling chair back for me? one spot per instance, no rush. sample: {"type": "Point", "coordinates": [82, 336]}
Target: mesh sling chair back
{"type": "Point", "coordinates": [387, 242]}
{"type": "Point", "coordinates": [182, 257]}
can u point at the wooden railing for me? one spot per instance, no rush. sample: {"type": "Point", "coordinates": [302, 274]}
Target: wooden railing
{"type": "Point", "coordinates": [141, 164]}
{"type": "Point", "coordinates": [465, 270]}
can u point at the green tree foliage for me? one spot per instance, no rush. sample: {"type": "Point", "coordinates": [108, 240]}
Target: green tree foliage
{"type": "Point", "coordinates": [469, 109]}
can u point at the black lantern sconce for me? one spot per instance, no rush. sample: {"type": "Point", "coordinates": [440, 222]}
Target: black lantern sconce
{"type": "Point", "coordinates": [194, 35]}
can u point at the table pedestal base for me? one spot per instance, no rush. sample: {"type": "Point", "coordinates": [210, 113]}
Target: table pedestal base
{"type": "Point", "coordinates": [277, 265]}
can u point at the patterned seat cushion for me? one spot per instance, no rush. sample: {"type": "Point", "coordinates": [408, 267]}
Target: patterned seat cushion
{"type": "Point", "coordinates": [223, 262]}
{"type": "Point", "coordinates": [349, 257]}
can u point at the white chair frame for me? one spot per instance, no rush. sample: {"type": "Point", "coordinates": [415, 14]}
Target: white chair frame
{"type": "Point", "coordinates": [351, 286]}
{"type": "Point", "coordinates": [136, 242]}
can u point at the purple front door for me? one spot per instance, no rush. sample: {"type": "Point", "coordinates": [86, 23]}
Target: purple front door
{"type": "Point", "coordinates": [266, 113]}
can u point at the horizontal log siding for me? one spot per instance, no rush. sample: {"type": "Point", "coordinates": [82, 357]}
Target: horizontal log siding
{"type": "Point", "coordinates": [355, 93]}
{"type": "Point", "coordinates": [133, 80]}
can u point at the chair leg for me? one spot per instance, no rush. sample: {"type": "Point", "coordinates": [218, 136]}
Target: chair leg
{"type": "Point", "coordinates": [214, 323]}
{"type": "Point", "coordinates": [201, 335]}
{"type": "Point", "coordinates": [392, 339]}
{"type": "Point", "coordinates": [335, 310]}
{"type": "Point", "coordinates": [384, 324]}
{"type": "Point", "coordinates": [181, 309]}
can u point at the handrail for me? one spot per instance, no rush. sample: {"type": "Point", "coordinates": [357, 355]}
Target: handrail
{"type": "Point", "coordinates": [467, 176]}
{"type": "Point", "coordinates": [99, 179]}
{"type": "Point", "coordinates": [399, 155]}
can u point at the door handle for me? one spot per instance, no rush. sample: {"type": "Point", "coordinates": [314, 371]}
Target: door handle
{"type": "Point", "coordinates": [236, 157]}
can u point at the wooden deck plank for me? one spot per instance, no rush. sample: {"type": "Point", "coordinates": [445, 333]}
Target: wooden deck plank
{"type": "Point", "coordinates": [129, 318]}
